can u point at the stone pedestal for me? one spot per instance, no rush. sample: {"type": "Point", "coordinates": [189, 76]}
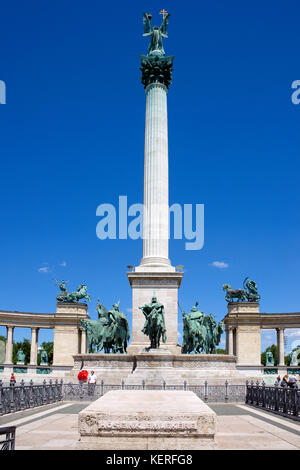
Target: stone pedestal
{"type": "Point", "coordinates": [67, 336]}
{"type": "Point", "coordinates": [166, 287]}
{"type": "Point", "coordinates": [243, 326]}
{"type": "Point", "coordinates": [147, 420]}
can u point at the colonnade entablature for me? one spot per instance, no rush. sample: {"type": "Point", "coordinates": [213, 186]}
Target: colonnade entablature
{"type": "Point", "coordinates": [243, 325]}
{"type": "Point", "coordinates": [69, 338]}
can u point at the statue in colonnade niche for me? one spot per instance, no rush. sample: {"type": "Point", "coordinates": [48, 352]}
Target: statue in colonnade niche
{"type": "Point", "coordinates": [20, 356]}
{"type": "Point", "coordinates": [294, 356]}
{"type": "Point", "coordinates": [201, 332]}
{"type": "Point", "coordinates": [154, 326]}
{"type": "Point", "coordinates": [65, 296]}
{"type": "Point", "coordinates": [269, 358]}
{"type": "Point", "coordinates": [44, 357]}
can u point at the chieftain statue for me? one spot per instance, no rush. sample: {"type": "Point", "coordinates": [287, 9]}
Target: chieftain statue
{"type": "Point", "coordinates": [110, 332]}
{"type": "Point", "coordinates": [201, 332]}
{"type": "Point", "coordinates": [65, 296]}
{"type": "Point", "coordinates": [250, 292]}
{"type": "Point", "coordinates": [156, 66]}
{"type": "Point", "coordinates": [154, 326]}
{"type": "Point", "coordinates": [20, 356]}
{"type": "Point", "coordinates": [269, 358]}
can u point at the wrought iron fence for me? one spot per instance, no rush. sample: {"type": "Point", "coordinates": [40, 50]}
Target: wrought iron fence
{"type": "Point", "coordinates": [282, 401]}
{"type": "Point", "coordinates": [21, 397]}
{"type": "Point", "coordinates": [9, 442]}
{"type": "Point", "coordinates": [207, 392]}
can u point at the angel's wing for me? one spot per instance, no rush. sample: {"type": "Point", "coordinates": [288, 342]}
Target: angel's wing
{"type": "Point", "coordinates": [147, 25]}
{"type": "Point", "coordinates": [163, 28]}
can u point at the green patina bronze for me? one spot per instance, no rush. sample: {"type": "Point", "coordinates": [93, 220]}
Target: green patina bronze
{"type": "Point", "coordinates": [270, 371]}
{"type": "Point", "coordinates": [249, 292]}
{"type": "Point", "coordinates": [20, 370]}
{"type": "Point", "coordinates": [110, 332]}
{"type": "Point", "coordinates": [65, 296]}
{"type": "Point", "coordinates": [44, 358]}
{"type": "Point", "coordinates": [154, 326]}
{"type": "Point", "coordinates": [201, 332]}
{"type": "Point", "coordinates": [269, 358]}
{"type": "Point", "coordinates": [21, 356]}
{"type": "Point", "coordinates": [43, 370]}
{"type": "Point", "coordinates": [156, 66]}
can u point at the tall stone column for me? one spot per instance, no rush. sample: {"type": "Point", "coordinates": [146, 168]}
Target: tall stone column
{"type": "Point", "coordinates": [156, 181]}
{"type": "Point", "coordinates": [34, 346]}
{"type": "Point", "coordinates": [9, 344]}
{"type": "Point", "coordinates": [280, 346]}
{"type": "Point", "coordinates": [155, 272]}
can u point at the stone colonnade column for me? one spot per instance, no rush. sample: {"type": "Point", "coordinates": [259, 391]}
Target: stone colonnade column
{"type": "Point", "coordinates": [9, 344]}
{"type": "Point", "coordinates": [280, 346]}
{"type": "Point", "coordinates": [34, 346]}
{"type": "Point", "coordinates": [83, 342]}
{"type": "Point", "coordinates": [229, 340]}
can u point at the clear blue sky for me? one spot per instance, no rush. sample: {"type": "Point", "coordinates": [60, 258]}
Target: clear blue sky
{"type": "Point", "coordinates": [72, 137]}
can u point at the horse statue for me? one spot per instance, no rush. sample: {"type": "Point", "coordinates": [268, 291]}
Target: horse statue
{"type": "Point", "coordinates": [120, 329]}
{"type": "Point", "coordinates": [110, 332]}
{"type": "Point", "coordinates": [239, 294]}
{"type": "Point", "coordinates": [201, 333]}
{"type": "Point", "coordinates": [65, 296]}
{"type": "Point", "coordinates": [154, 326]}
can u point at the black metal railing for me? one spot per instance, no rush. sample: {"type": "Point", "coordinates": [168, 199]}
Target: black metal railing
{"type": "Point", "coordinates": [279, 400]}
{"type": "Point", "coordinates": [21, 397]}
{"type": "Point", "coordinates": [207, 392]}
{"type": "Point", "coordinates": [7, 443]}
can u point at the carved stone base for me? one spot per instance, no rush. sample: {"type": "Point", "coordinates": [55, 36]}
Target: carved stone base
{"type": "Point", "coordinates": [147, 420]}
{"type": "Point", "coordinates": [154, 367]}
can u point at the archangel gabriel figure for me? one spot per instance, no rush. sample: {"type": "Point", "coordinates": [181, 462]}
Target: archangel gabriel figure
{"type": "Point", "coordinates": [154, 326]}
{"type": "Point", "coordinates": [156, 34]}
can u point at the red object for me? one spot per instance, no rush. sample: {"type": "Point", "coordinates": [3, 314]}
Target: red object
{"type": "Point", "coordinates": [83, 375]}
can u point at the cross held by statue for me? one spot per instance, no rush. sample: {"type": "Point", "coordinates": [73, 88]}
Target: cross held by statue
{"type": "Point", "coordinates": [163, 12]}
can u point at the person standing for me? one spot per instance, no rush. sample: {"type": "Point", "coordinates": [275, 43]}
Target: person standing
{"type": "Point", "coordinates": [12, 379]}
{"type": "Point", "coordinates": [293, 381]}
{"type": "Point", "coordinates": [92, 380]}
{"type": "Point", "coordinates": [285, 381]}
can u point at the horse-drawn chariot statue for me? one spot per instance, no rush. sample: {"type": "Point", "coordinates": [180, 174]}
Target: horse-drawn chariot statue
{"type": "Point", "coordinates": [249, 293]}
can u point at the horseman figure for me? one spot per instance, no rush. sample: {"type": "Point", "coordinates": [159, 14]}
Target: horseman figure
{"type": "Point", "coordinates": [201, 333]}
{"type": "Point", "coordinates": [154, 326]}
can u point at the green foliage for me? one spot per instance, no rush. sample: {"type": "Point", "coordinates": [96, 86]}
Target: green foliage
{"type": "Point", "coordinates": [287, 360]}
{"type": "Point", "coordinates": [25, 346]}
{"type": "Point", "coordinates": [48, 346]}
{"type": "Point", "coordinates": [2, 338]}
{"type": "Point", "coordinates": [220, 351]}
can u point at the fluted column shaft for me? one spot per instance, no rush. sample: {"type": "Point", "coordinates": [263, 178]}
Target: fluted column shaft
{"type": "Point", "coordinates": [156, 179]}
{"type": "Point", "coordinates": [280, 346]}
{"type": "Point", "coordinates": [9, 344]}
{"type": "Point", "coordinates": [34, 346]}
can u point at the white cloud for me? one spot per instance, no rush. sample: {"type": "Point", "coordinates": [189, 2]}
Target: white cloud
{"type": "Point", "coordinates": [44, 269]}
{"type": "Point", "coordinates": [63, 264]}
{"type": "Point", "coordinates": [219, 264]}
{"type": "Point", "coordinates": [292, 333]}
{"type": "Point", "coordinates": [129, 310]}
{"type": "Point", "coordinates": [179, 335]}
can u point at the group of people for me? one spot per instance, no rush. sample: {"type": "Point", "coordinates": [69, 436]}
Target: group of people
{"type": "Point", "coordinates": [288, 381]}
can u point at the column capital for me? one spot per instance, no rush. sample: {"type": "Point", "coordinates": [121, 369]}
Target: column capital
{"type": "Point", "coordinates": [156, 69]}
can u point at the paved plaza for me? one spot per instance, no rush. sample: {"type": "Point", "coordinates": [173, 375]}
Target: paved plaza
{"type": "Point", "coordinates": [239, 427]}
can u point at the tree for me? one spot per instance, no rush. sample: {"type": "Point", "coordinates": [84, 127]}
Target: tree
{"type": "Point", "coordinates": [220, 351]}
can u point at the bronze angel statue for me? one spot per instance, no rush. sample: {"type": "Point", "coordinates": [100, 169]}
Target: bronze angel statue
{"type": "Point", "coordinates": [156, 34]}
